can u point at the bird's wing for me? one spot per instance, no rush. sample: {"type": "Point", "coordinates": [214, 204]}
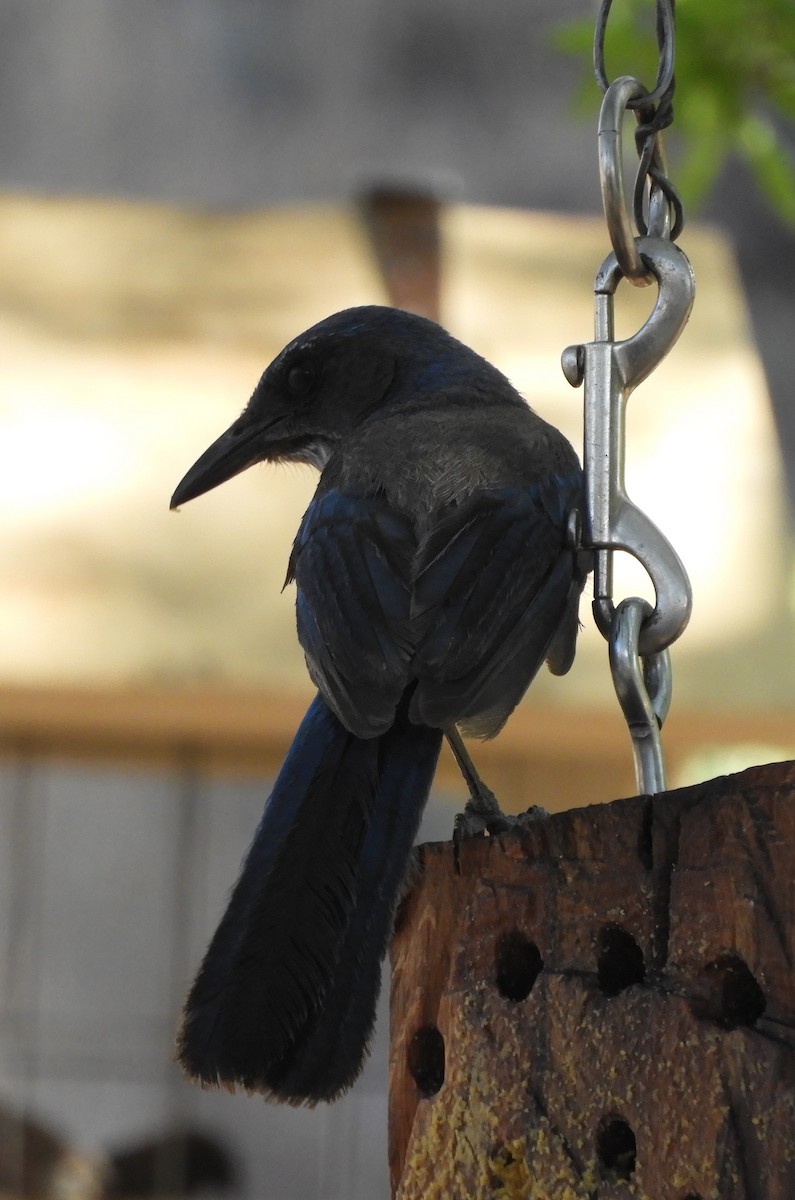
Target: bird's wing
{"type": "Point", "coordinates": [472, 611]}
{"type": "Point", "coordinates": [352, 563]}
{"type": "Point", "coordinates": [496, 589]}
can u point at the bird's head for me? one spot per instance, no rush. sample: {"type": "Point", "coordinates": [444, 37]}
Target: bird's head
{"type": "Point", "coordinates": [322, 385]}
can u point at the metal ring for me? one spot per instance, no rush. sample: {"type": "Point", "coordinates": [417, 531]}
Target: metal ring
{"type": "Point", "coordinates": [665, 42]}
{"type": "Point", "coordinates": [611, 178]}
{"type": "Point", "coordinates": [643, 687]}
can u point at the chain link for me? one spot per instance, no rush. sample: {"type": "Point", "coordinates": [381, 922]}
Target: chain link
{"type": "Point", "coordinates": [663, 91]}
{"type": "Point", "coordinates": [653, 192]}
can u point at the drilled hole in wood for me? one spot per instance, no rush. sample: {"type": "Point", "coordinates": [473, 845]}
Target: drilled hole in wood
{"type": "Point", "coordinates": [426, 1059]}
{"type": "Point", "coordinates": [619, 961]}
{"type": "Point", "coordinates": [727, 993]}
{"type": "Point", "coordinates": [518, 964]}
{"type": "Point", "coordinates": [616, 1148]}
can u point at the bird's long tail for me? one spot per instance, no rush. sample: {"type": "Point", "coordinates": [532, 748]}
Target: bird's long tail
{"type": "Point", "coordinates": [284, 1001]}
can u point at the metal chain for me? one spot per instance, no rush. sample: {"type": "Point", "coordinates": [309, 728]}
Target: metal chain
{"type": "Point", "coordinates": [664, 87]}
{"type": "Point", "coordinates": [653, 190]}
{"type": "Point", "coordinates": [638, 634]}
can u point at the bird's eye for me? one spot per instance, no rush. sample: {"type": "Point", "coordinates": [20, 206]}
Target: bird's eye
{"type": "Point", "coordinates": [300, 379]}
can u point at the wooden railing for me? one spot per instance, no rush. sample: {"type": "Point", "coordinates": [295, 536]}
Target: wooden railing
{"type": "Point", "coordinates": [558, 757]}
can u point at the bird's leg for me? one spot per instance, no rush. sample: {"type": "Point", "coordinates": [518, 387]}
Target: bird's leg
{"type": "Point", "coordinates": [482, 810]}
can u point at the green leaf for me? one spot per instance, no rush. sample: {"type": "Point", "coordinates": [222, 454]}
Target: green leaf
{"type": "Point", "coordinates": [735, 85]}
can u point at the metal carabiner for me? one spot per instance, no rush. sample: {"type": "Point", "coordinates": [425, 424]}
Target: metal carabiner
{"type": "Point", "coordinates": [611, 370]}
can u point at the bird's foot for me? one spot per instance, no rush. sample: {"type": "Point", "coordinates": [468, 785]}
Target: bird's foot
{"type": "Point", "coordinates": [481, 815]}
{"type": "Point", "coordinates": [478, 819]}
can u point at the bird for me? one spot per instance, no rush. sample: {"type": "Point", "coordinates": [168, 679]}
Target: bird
{"type": "Point", "coordinates": [437, 568]}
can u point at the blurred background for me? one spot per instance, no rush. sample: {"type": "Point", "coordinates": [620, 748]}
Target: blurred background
{"type": "Point", "coordinates": [183, 188]}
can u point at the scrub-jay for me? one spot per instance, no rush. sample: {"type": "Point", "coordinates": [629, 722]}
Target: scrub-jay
{"type": "Point", "coordinates": [436, 569]}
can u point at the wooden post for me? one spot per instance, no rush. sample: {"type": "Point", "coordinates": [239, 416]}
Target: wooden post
{"type": "Point", "coordinates": [602, 1004]}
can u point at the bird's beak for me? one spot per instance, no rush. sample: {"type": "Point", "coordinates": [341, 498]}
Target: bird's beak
{"type": "Point", "coordinates": [240, 447]}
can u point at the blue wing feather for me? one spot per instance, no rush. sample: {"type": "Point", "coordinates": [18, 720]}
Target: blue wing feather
{"type": "Point", "coordinates": [497, 585]}
{"type": "Point", "coordinates": [351, 565]}
{"type": "Point", "coordinates": [469, 609]}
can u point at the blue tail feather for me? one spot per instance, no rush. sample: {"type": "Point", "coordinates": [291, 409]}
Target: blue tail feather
{"type": "Point", "coordinates": [284, 1000]}
{"type": "Point", "coordinates": [328, 1055]}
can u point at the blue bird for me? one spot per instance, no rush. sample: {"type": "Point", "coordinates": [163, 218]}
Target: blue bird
{"type": "Point", "coordinates": [435, 571]}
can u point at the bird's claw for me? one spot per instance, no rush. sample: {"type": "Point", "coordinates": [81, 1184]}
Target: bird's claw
{"type": "Point", "coordinates": [471, 824]}
{"type": "Point", "coordinates": [478, 819]}
{"type": "Point", "coordinates": [481, 815]}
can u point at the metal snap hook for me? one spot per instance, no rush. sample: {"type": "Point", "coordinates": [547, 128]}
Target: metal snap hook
{"type": "Point", "coordinates": [611, 370]}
